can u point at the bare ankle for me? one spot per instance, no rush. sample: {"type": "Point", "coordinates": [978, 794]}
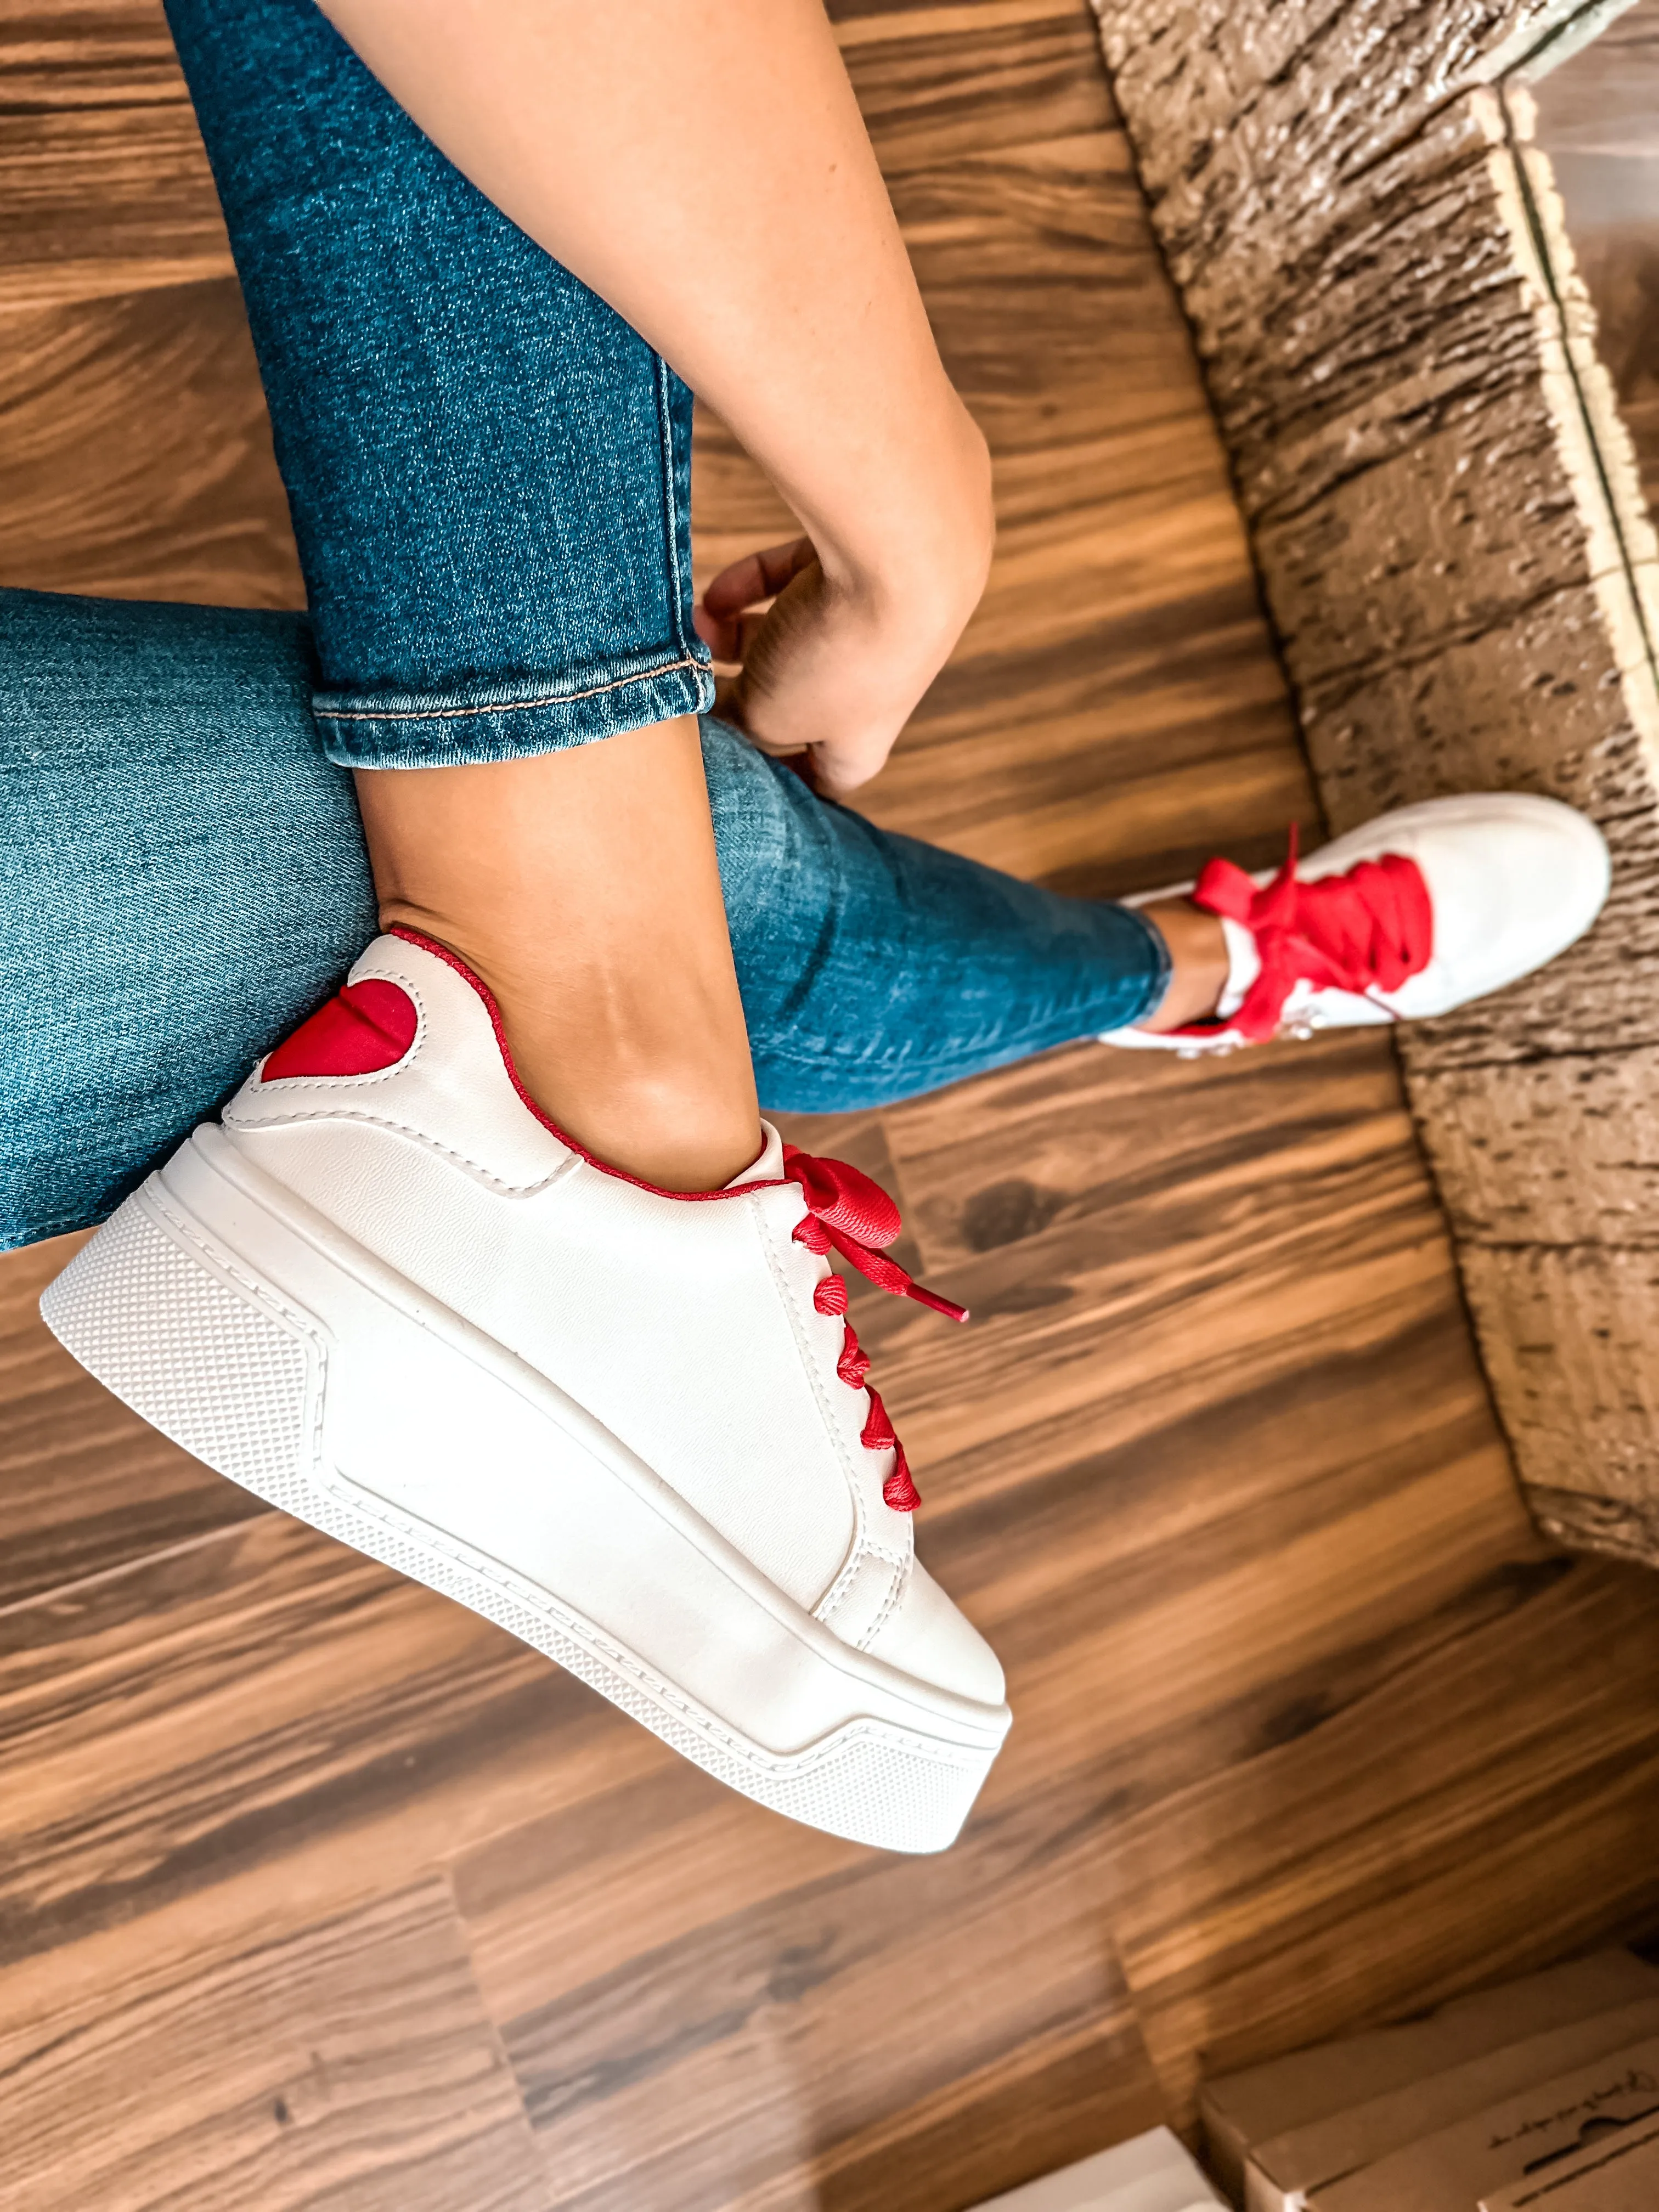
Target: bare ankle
{"type": "Point", "coordinates": [640, 1076]}
{"type": "Point", "coordinates": [1198, 972]}
{"type": "Point", "coordinates": [582, 889]}
{"type": "Point", "coordinates": [675, 1131]}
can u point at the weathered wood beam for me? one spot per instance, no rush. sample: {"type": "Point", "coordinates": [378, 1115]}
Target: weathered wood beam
{"type": "Point", "coordinates": [1447, 522]}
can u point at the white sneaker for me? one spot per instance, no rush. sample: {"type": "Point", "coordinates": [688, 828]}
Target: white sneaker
{"type": "Point", "coordinates": [388, 1297]}
{"type": "Point", "coordinates": [1410, 915]}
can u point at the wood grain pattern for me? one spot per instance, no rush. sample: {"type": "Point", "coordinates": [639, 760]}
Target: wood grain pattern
{"type": "Point", "coordinates": [108, 482]}
{"type": "Point", "coordinates": [144, 192]}
{"type": "Point", "coordinates": [812, 2028]}
{"type": "Point", "coordinates": [1275, 1902]}
{"type": "Point", "coordinates": [107, 189]}
{"type": "Point", "coordinates": [344, 2067]}
{"type": "Point", "coordinates": [1215, 1465]}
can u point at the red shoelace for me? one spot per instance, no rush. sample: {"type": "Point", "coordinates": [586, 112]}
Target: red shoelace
{"type": "Point", "coordinates": [1367, 930]}
{"type": "Point", "coordinates": [849, 1214]}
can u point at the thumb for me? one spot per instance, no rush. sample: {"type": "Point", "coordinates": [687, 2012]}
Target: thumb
{"type": "Point", "coordinates": [842, 765]}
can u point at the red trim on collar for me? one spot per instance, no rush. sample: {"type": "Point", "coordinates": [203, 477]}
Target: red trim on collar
{"type": "Point", "coordinates": [452, 960]}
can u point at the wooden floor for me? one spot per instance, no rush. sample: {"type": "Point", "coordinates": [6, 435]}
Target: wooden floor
{"type": "Point", "coordinates": [316, 1892]}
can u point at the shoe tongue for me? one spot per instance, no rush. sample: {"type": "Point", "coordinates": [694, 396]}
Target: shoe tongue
{"type": "Point", "coordinates": [768, 1167]}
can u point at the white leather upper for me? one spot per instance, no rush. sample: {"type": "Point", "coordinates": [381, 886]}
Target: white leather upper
{"type": "Point", "coordinates": [684, 1324]}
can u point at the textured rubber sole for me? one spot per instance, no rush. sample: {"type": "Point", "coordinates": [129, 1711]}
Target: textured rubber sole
{"type": "Point", "coordinates": [212, 1345]}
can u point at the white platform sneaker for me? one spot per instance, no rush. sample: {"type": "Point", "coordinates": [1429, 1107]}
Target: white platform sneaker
{"type": "Point", "coordinates": [1412, 915]}
{"type": "Point", "coordinates": [389, 1296]}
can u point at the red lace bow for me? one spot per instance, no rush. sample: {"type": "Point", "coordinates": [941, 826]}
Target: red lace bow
{"type": "Point", "coordinates": [1367, 930]}
{"type": "Point", "coordinates": [849, 1214]}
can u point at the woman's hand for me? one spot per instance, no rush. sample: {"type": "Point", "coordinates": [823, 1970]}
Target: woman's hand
{"type": "Point", "coordinates": [828, 669]}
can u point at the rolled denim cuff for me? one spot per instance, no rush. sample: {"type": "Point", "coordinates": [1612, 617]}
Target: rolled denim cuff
{"type": "Point", "coordinates": [503, 721]}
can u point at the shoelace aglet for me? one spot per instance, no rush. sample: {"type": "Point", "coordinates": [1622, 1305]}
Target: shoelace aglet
{"type": "Point", "coordinates": [899, 1490]}
{"type": "Point", "coordinates": [835, 1190]}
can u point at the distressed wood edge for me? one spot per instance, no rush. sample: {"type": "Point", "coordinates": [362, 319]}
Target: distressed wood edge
{"type": "Point", "coordinates": [1595, 445]}
{"type": "Point", "coordinates": [1530, 54]}
{"type": "Point", "coordinates": [1614, 1528]}
{"type": "Point", "coordinates": [1598, 460]}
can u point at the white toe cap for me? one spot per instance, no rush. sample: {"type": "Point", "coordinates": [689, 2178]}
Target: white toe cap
{"type": "Point", "coordinates": [926, 1636]}
{"type": "Point", "coordinates": [1515, 879]}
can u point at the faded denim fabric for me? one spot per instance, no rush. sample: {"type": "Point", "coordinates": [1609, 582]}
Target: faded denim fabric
{"type": "Point", "coordinates": [182, 878]}
{"type": "Point", "coordinates": [488, 469]}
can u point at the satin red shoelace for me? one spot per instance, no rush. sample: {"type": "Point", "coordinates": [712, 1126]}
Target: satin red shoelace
{"type": "Point", "coordinates": [849, 1214]}
{"type": "Point", "coordinates": [1368, 929]}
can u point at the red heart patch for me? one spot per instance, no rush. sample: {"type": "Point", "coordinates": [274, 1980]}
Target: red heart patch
{"type": "Point", "coordinates": [365, 1028]}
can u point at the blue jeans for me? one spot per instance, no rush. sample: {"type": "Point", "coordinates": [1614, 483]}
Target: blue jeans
{"type": "Point", "coordinates": [488, 471]}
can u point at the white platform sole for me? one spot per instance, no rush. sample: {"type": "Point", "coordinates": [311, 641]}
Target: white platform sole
{"type": "Point", "coordinates": [243, 1325]}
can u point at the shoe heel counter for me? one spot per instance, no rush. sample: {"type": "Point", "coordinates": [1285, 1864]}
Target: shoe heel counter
{"type": "Point", "coordinates": [448, 1086]}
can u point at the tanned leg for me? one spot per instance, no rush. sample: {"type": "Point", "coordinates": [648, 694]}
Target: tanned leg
{"type": "Point", "coordinates": [1198, 976]}
{"type": "Point", "coordinates": [581, 886]}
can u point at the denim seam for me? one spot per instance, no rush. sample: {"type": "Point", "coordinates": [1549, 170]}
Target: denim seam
{"type": "Point", "coordinates": [670, 508]}
{"type": "Point", "coordinates": [969, 1053]}
{"type": "Point", "coordinates": [57, 1224]}
{"type": "Point", "coordinates": [971, 1058]}
{"type": "Point", "coordinates": [504, 706]}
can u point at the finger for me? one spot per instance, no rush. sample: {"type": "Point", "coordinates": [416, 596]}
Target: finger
{"type": "Point", "coordinates": [731, 704]}
{"type": "Point", "coordinates": [757, 576]}
{"type": "Point", "coordinates": [722, 637]}
{"type": "Point", "coordinates": [732, 639]}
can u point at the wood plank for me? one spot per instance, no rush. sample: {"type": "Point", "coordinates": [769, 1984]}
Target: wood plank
{"type": "Point", "coordinates": [878, 2031]}
{"type": "Point", "coordinates": [111, 482]}
{"type": "Point", "coordinates": [265, 1699]}
{"type": "Point", "coordinates": [106, 184]}
{"type": "Point", "coordinates": [346, 2066]}
{"type": "Point", "coordinates": [1310, 1193]}
{"type": "Point", "coordinates": [106, 201]}
{"type": "Point", "coordinates": [1393, 1853]}
{"type": "Point", "coordinates": [86, 54]}
{"type": "Point", "coordinates": [940, 84]}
